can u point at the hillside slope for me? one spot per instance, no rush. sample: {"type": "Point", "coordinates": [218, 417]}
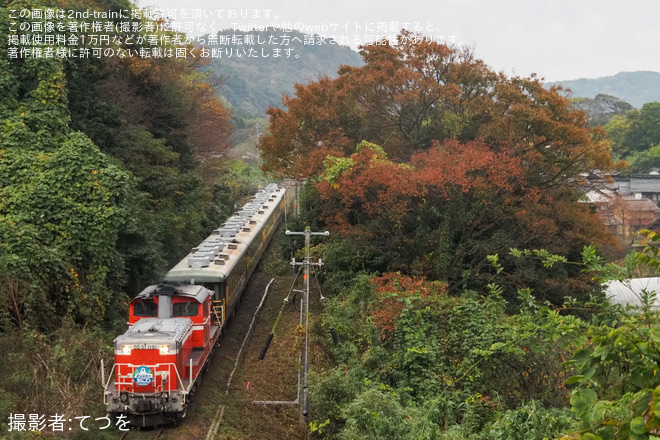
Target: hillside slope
{"type": "Point", "coordinates": [637, 88]}
{"type": "Point", "coordinates": [257, 67]}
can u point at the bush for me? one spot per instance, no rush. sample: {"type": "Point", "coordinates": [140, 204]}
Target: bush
{"type": "Point", "coordinates": [531, 422]}
{"type": "Point", "coordinates": [52, 374]}
{"type": "Point", "coordinates": [415, 361]}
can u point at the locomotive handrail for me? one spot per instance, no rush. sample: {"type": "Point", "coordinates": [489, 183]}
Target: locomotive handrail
{"type": "Point", "coordinates": [219, 305]}
{"type": "Point", "coordinates": [110, 376]}
{"type": "Point", "coordinates": [170, 365]}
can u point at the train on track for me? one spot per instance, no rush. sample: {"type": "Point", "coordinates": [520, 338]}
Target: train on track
{"type": "Point", "coordinates": [174, 326]}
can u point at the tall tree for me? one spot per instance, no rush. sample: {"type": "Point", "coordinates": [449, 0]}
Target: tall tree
{"type": "Point", "coordinates": [117, 138]}
{"type": "Point", "coordinates": [62, 203]}
{"type": "Point", "coordinates": [602, 108]}
{"type": "Point", "coordinates": [414, 92]}
{"type": "Point", "coordinates": [460, 162]}
{"type": "Point", "coordinates": [635, 137]}
{"type": "Point", "coordinates": [645, 127]}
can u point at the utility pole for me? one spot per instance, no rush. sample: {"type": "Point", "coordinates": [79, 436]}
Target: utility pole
{"type": "Point", "coordinates": [296, 203]}
{"type": "Point", "coordinates": [306, 263]}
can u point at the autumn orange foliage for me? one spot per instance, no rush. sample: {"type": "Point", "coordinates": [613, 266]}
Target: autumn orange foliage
{"type": "Point", "coordinates": [411, 95]}
{"type": "Point", "coordinates": [453, 161]}
{"type": "Point", "coordinates": [391, 289]}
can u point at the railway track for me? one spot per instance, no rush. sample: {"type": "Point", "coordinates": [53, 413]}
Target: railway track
{"type": "Point", "coordinates": [217, 419]}
{"type": "Point", "coordinates": [159, 432]}
{"type": "Point", "coordinates": [239, 377]}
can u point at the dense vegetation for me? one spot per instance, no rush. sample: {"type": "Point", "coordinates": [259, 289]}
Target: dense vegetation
{"type": "Point", "coordinates": [417, 362]}
{"type": "Point", "coordinates": [100, 191]}
{"type": "Point", "coordinates": [463, 272]}
{"type": "Point", "coordinates": [635, 137]}
{"type": "Point", "coordinates": [465, 275]}
{"type": "Point", "coordinates": [601, 109]}
{"type": "Point", "coordinates": [460, 162]}
{"type": "Point", "coordinates": [99, 174]}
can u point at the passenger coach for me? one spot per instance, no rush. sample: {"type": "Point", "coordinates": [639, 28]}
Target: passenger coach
{"type": "Point", "coordinates": [226, 259]}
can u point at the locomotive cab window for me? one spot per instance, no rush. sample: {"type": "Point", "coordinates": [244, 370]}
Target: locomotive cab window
{"type": "Point", "coordinates": [145, 308]}
{"type": "Point", "coordinates": [190, 308]}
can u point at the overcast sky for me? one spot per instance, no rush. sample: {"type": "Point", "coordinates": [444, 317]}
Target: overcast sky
{"type": "Point", "coordinates": [558, 40]}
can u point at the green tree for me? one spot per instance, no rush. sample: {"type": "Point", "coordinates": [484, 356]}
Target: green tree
{"type": "Point", "coordinates": [62, 203]}
{"type": "Point", "coordinates": [635, 135]}
{"type": "Point", "coordinates": [602, 108]}
{"type": "Point", "coordinates": [644, 127]}
{"type": "Point", "coordinates": [617, 129]}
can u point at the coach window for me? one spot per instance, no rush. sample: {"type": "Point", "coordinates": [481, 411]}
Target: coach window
{"type": "Point", "coordinates": [145, 308]}
{"type": "Point", "coordinates": [190, 308]}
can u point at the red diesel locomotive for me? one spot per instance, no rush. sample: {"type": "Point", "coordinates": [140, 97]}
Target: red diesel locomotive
{"type": "Point", "coordinates": [174, 326]}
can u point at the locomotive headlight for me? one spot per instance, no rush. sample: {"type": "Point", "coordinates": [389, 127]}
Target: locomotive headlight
{"type": "Point", "coordinates": [125, 349]}
{"type": "Point", "coordinates": [164, 349]}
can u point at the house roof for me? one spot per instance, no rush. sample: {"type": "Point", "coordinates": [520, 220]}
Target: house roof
{"type": "Point", "coordinates": [646, 183]}
{"type": "Point", "coordinates": [598, 195]}
{"type": "Point", "coordinates": [640, 205]}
